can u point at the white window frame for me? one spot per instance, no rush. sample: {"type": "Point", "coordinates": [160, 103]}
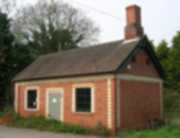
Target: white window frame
{"type": "Point", "coordinates": [92, 92]}
{"type": "Point", "coordinates": [26, 108]}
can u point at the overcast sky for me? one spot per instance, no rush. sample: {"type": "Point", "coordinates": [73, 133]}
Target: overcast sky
{"type": "Point", "coordinates": [161, 18]}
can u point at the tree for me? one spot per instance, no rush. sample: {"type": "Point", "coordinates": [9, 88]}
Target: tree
{"type": "Point", "coordinates": [39, 29]}
{"type": "Point", "coordinates": [6, 45]}
{"type": "Point", "coordinates": [164, 54]}
{"type": "Point", "coordinates": [170, 60]}
{"type": "Point", "coordinates": [175, 60]}
{"type": "Point", "coordinates": [163, 51]}
{"type": "Point", "coordinates": [52, 26]}
{"type": "Point", "coordinates": [13, 58]}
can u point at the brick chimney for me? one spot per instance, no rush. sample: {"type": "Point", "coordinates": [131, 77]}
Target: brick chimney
{"type": "Point", "coordinates": [133, 28]}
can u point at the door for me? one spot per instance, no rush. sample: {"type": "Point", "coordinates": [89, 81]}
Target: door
{"type": "Point", "coordinates": [55, 105]}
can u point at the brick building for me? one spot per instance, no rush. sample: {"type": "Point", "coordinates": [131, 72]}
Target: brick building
{"type": "Point", "coordinates": [116, 84]}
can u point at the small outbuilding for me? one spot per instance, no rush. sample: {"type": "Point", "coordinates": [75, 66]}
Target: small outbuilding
{"type": "Point", "coordinates": [117, 84]}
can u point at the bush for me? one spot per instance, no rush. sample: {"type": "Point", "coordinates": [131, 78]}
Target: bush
{"type": "Point", "coordinates": [156, 123]}
{"type": "Point", "coordinates": [171, 103]}
{"type": "Point", "coordinates": [101, 130]}
{"type": "Point", "coordinates": [40, 123]}
{"type": "Point", "coordinates": [7, 110]}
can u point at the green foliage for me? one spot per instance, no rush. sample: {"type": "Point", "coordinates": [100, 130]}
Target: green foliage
{"type": "Point", "coordinates": [59, 40]}
{"type": "Point", "coordinates": [5, 111]}
{"type": "Point", "coordinates": [40, 123]}
{"type": "Point", "coordinates": [51, 125]}
{"type": "Point", "coordinates": [169, 57]}
{"type": "Point", "coordinates": [169, 131]}
{"type": "Point", "coordinates": [6, 46]}
{"type": "Point", "coordinates": [163, 50]}
{"type": "Point", "coordinates": [171, 103]}
{"type": "Point", "coordinates": [13, 58]}
{"type": "Point", "coordinates": [52, 26]}
{"type": "Point", "coordinates": [163, 53]}
{"type": "Point", "coordinates": [175, 61]}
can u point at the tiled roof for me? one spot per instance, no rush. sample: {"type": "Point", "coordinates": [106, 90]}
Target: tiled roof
{"type": "Point", "coordinates": [101, 58]}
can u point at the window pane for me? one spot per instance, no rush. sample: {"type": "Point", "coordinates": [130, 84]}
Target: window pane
{"type": "Point", "coordinates": [31, 99]}
{"type": "Point", "coordinates": [83, 99]}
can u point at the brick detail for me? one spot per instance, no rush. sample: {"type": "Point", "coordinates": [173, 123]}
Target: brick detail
{"type": "Point", "coordinates": [139, 103]}
{"type": "Point", "coordinates": [83, 119]}
{"type": "Point", "coordinates": [140, 67]}
{"type": "Point", "coordinates": [133, 28]}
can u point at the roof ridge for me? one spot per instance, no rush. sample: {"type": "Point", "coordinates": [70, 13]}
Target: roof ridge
{"type": "Point", "coordinates": [106, 43]}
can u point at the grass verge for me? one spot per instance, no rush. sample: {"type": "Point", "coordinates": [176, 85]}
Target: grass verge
{"type": "Point", "coordinates": [169, 131]}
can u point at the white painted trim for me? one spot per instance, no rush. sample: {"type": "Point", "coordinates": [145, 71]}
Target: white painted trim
{"type": "Point", "coordinates": [83, 85]}
{"type": "Point", "coordinates": [73, 101]}
{"type": "Point", "coordinates": [109, 103]}
{"type": "Point", "coordinates": [131, 40]}
{"type": "Point", "coordinates": [64, 80]}
{"type": "Point", "coordinates": [93, 100]}
{"type": "Point", "coordinates": [55, 90]}
{"type": "Point", "coordinates": [38, 99]}
{"type": "Point", "coordinates": [118, 102]}
{"type": "Point", "coordinates": [138, 78]}
{"type": "Point", "coordinates": [16, 95]}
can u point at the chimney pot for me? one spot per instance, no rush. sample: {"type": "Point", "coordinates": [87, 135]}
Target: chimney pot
{"type": "Point", "coordinates": [133, 28]}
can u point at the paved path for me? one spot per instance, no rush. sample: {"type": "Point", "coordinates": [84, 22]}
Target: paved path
{"type": "Point", "coordinates": [6, 132]}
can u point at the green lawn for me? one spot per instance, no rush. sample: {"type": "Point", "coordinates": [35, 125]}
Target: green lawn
{"type": "Point", "coordinates": [170, 131]}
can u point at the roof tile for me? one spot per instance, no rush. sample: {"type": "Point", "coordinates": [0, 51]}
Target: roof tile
{"type": "Point", "coordinates": [101, 58]}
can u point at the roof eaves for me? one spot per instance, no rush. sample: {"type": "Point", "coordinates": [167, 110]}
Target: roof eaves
{"type": "Point", "coordinates": [62, 77]}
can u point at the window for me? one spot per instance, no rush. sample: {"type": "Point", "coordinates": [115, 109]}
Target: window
{"type": "Point", "coordinates": [83, 99]}
{"type": "Point", "coordinates": [32, 99]}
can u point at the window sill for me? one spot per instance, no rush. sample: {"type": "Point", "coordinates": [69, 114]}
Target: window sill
{"type": "Point", "coordinates": [84, 113]}
{"type": "Point", "coordinates": [31, 110]}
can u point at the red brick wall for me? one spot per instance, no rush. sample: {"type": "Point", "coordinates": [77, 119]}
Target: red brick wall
{"type": "Point", "coordinates": [139, 103]}
{"type": "Point", "coordinates": [87, 120]}
{"type": "Point", "coordinates": [140, 67]}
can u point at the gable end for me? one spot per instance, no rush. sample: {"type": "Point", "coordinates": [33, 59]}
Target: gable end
{"type": "Point", "coordinates": [145, 45]}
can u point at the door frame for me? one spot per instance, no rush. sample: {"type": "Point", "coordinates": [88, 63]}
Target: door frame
{"type": "Point", "coordinates": [55, 91]}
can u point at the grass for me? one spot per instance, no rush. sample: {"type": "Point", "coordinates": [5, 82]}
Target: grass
{"type": "Point", "coordinates": [40, 123]}
{"type": "Point", "coordinates": [169, 131]}
{"type": "Point", "coordinates": [51, 125]}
